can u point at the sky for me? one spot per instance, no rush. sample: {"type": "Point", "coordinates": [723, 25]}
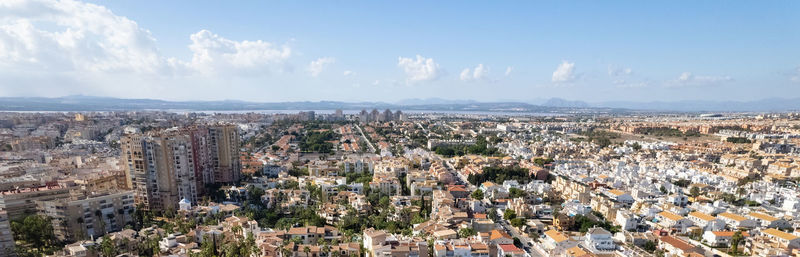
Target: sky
{"type": "Point", "coordinates": [270, 51]}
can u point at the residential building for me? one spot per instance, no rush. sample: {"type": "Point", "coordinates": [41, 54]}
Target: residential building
{"type": "Point", "coordinates": [556, 243]}
{"type": "Point", "coordinates": [785, 240]}
{"type": "Point", "coordinates": [674, 246]}
{"type": "Point", "coordinates": [737, 221]}
{"type": "Point", "coordinates": [22, 202]}
{"type": "Point", "coordinates": [89, 216]}
{"type": "Point", "coordinates": [768, 221]}
{"type": "Point", "coordinates": [626, 220]}
{"type": "Point", "coordinates": [599, 239]}
{"type": "Point", "coordinates": [506, 250]}
{"type": "Point", "coordinates": [164, 167]}
{"type": "Point", "coordinates": [224, 149]}
{"type": "Point", "coordinates": [720, 238]}
{"type": "Point", "coordinates": [669, 220]}
{"type": "Point", "coordinates": [706, 222]}
{"type": "Point", "coordinates": [6, 238]}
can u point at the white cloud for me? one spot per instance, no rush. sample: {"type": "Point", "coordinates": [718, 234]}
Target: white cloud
{"type": "Point", "coordinates": [508, 70]}
{"type": "Point", "coordinates": [212, 53]}
{"type": "Point", "coordinates": [58, 36]}
{"type": "Point", "coordinates": [349, 73]}
{"type": "Point", "coordinates": [626, 84]}
{"type": "Point", "coordinates": [614, 71]}
{"type": "Point", "coordinates": [689, 79]}
{"type": "Point", "coordinates": [317, 66]}
{"type": "Point", "coordinates": [564, 73]}
{"type": "Point", "coordinates": [421, 69]}
{"type": "Point", "coordinates": [623, 77]}
{"type": "Point", "coordinates": [686, 76]}
{"type": "Point", "coordinates": [465, 74]}
{"type": "Point", "coordinates": [796, 75]}
{"type": "Point", "coordinates": [478, 73]}
{"type": "Point", "coordinates": [88, 46]}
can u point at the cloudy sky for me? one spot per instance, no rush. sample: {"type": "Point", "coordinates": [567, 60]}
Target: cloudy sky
{"type": "Point", "coordinates": [392, 50]}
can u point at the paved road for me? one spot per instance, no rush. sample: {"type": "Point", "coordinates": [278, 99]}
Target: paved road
{"type": "Point", "coordinates": [371, 147]}
{"type": "Point", "coordinates": [532, 251]}
{"type": "Point", "coordinates": [422, 128]}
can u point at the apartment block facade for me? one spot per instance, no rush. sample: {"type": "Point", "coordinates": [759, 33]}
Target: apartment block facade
{"type": "Point", "coordinates": [89, 216]}
{"type": "Point", "coordinates": [167, 166]}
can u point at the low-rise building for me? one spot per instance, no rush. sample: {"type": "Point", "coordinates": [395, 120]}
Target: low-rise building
{"type": "Point", "coordinates": [737, 221]}
{"type": "Point", "coordinates": [674, 246]}
{"type": "Point", "coordinates": [720, 238]}
{"type": "Point", "coordinates": [786, 240]}
{"type": "Point", "coordinates": [506, 250]}
{"type": "Point", "coordinates": [768, 221]}
{"type": "Point", "coordinates": [599, 240]}
{"type": "Point", "coordinates": [706, 222]}
{"type": "Point", "coordinates": [556, 243]}
{"type": "Point", "coordinates": [669, 220]}
{"type": "Point", "coordinates": [89, 216]}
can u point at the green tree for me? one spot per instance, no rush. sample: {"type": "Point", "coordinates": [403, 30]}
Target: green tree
{"type": "Point", "coordinates": [517, 242]}
{"type": "Point", "coordinates": [509, 214]}
{"type": "Point", "coordinates": [466, 232]}
{"type": "Point", "coordinates": [518, 222]}
{"type": "Point", "coordinates": [740, 191]}
{"type": "Point", "coordinates": [695, 191]}
{"type": "Point", "coordinates": [649, 246]}
{"type": "Point", "coordinates": [108, 247]}
{"type": "Point", "coordinates": [516, 193]}
{"type": "Point", "coordinates": [542, 161]}
{"type": "Point", "coordinates": [735, 240]}
{"type": "Point", "coordinates": [477, 194]}
{"type": "Point", "coordinates": [36, 230]}
{"type": "Point", "coordinates": [493, 214]}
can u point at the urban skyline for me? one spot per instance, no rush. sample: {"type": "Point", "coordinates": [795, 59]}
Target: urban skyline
{"type": "Point", "coordinates": [399, 128]}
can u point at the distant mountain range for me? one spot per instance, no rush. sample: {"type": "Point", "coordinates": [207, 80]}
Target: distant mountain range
{"type": "Point", "coordinates": [764, 105]}
{"type": "Point", "coordinates": [553, 105]}
{"type": "Point", "coordinates": [558, 102]}
{"type": "Point", "coordinates": [91, 103]}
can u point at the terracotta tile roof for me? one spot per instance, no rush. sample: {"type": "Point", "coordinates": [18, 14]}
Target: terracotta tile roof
{"type": "Point", "coordinates": [728, 233]}
{"type": "Point", "coordinates": [616, 192]}
{"type": "Point", "coordinates": [576, 252]}
{"type": "Point", "coordinates": [677, 243]}
{"type": "Point", "coordinates": [671, 216]}
{"type": "Point", "coordinates": [498, 234]}
{"type": "Point", "coordinates": [702, 216]}
{"type": "Point", "coordinates": [732, 216]}
{"type": "Point", "coordinates": [780, 234]}
{"type": "Point", "coordinates": [762, 216]}
{"type": "Point", "coordinates": [556, 236]}
{"type": "Point", "coordinates": [509, 248]}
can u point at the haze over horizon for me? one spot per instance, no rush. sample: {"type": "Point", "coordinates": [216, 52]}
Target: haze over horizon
{"type": "Point", "coordinates": [390, 51]}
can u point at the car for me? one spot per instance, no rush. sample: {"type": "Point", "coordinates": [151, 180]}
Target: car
{"type": "Point", "coordinates": [530, 244]}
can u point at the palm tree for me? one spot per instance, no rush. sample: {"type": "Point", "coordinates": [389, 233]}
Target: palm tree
{"type": "Point", "coordinates": [741, 191]}
{"type": "Point", "coordinates": [237, 230]}
{"type": "Point", "coordinates": [285, 251]}
{"type": "Point", "coordinates": [306, 250]}
{"type": "Point", "coordinates": [326, 249]}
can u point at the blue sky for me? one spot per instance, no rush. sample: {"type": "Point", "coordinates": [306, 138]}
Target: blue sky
{"type": "Point", "coordinates": [391, 50]}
